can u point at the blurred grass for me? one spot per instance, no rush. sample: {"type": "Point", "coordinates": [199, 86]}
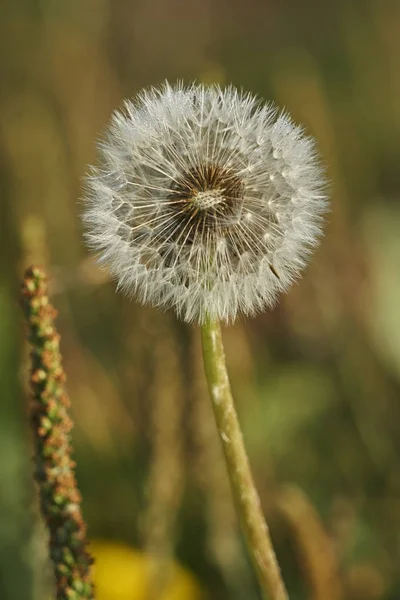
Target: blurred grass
{"type": "Point", "coordinates": [317, 379]}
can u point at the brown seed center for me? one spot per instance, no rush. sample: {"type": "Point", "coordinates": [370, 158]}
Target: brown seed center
{"type": "Point", "coordinates": [208, 198]}
{"type": "Point", "coordinates": [204, 201]}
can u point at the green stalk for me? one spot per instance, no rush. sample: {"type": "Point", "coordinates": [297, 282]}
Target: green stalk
{"type": "Point", "coordinates": [245, 495]}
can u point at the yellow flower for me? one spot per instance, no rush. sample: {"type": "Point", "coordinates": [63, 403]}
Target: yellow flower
{"type": "Point", "coordinates": [122, 573]}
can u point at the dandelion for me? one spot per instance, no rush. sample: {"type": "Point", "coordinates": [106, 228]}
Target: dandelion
{"type": "Point", "coordinates": [205, 201]}
{"type": "Point", "coordinates": [208, 202]}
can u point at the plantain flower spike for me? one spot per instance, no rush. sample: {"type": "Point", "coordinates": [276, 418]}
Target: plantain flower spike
{"type": "Point", "coordinates": [205, 201]}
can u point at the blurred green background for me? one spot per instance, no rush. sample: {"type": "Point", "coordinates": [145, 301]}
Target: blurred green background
{"type": "Point", "coordinates": [317, 380]}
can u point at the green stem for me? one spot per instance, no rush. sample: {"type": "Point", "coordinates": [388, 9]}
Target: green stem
{"type": "Point", "coordinates": [254, 527]}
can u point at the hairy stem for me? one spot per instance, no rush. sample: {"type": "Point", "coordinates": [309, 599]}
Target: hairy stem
{"type": "Point", "coordinates": [247, 502]}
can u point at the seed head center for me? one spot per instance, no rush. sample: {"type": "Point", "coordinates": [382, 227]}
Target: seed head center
{"type": "Point", "coordinates": [205, 199]}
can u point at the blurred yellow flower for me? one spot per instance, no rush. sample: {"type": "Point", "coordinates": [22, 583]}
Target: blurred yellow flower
{"type": "Point", "coordinates": [122, 573]}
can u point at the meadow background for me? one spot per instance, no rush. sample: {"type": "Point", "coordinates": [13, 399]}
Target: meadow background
{"type": "Point", "coordinates": [317, 380]}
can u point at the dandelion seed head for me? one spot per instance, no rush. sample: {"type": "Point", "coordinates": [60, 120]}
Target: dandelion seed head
{"type": "Point", "coordinates": [204, 201]}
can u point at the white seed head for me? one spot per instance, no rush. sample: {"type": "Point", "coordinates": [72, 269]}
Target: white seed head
{"type": "Point", "coordinates": [205, 201]}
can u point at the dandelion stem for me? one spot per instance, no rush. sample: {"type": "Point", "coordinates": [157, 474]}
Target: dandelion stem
{"type": "Point", "coordinates": [248, 506]}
